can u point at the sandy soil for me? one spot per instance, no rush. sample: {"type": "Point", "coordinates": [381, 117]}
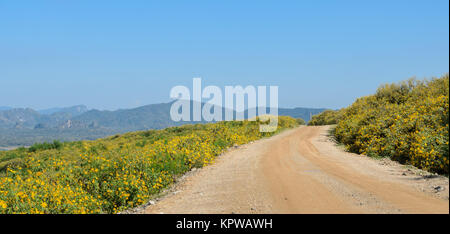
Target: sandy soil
{"type": "Point", "coordinates": [303, 171]}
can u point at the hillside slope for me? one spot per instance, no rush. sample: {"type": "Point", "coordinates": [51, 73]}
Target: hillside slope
{"type": "Point", "coordinates": [112, 174]}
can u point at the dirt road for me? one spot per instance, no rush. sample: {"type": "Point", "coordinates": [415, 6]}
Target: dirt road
{"type": "Point", "coordinates": [303, 171]}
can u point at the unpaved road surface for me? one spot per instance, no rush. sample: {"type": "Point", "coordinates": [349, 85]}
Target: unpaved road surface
{"type": "Point", "coordinates": [303, 171]}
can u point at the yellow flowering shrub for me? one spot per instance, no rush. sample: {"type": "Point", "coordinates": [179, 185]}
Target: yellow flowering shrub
{"type": "Point", "coordinates": [116, 173]}
{"type": "Point", "coordinates": [408, 122]}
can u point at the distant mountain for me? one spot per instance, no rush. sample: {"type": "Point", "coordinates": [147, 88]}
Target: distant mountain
{"type": "Point", "coordinates": [73, 110]}
{"type": "Point", "coordinates": [19, 118]}
{"type": "Point", "coordinates": [2, 108]}
{"type": "Point", "coordinates": [153, 116]}
{"type": "Point", "coordinates": [25, 126]}
{"type": "Point", "coordinates": [300, 112]}
{"type": "Point", "coordinates": [29, 118]}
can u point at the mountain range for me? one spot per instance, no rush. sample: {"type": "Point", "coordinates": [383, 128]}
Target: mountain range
{"type": "Point", "coordinates": [25, 126]}
{"type": "Point", "coordinates": [29, 118]}
{"type": "Point", "coordinates": [5, 108]}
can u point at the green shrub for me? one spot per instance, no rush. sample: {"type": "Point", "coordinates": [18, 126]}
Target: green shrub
{"type": "Point", "coordinates": [45, 146]}
{"type": "Point", "coordinates": [328, 117]}
{"type": "Point", "coordinates": [300, 121]}
{"type": "Point", "coordinates": [408, 122]}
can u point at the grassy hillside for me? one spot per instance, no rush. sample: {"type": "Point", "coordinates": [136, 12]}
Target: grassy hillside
{"type": "Point", "coordinates": [113, 174]}
{"type": "Point", "coordinates": [408, 122]}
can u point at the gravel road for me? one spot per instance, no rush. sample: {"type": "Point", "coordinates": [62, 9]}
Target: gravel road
{"type": "Point", "coordinates": [303, 171]}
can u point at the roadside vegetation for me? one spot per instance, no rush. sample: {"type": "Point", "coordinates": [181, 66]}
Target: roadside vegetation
{"type": "Point", "coordinates": [406, 121]}
{"type": "Point", "coordinates": [116, 173]}
{"type": "Point", "coordinates": [300, 121]}
{"type": "Point", "coordinates": [328, 117]}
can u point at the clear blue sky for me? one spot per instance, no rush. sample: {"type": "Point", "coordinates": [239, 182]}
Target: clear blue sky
{"type": "Point", "coordinates": [121, 54]}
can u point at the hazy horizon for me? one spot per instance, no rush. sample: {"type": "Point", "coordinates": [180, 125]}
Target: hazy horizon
{"type": "Point", "coordinates": [91, 108]}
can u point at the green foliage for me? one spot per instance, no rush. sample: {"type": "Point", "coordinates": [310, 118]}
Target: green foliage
{"type": "Point", "coordinates": [328, 117]}
{"type": "Point", "coordinates": [300, 121]}
{"type": "Point", "coordinates": [45, 146]}
{"type": "Point", "coordinates": [408, 122]}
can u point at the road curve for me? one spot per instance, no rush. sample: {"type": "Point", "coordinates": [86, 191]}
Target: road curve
{"type": "Point", "coordinates": [302, 171]}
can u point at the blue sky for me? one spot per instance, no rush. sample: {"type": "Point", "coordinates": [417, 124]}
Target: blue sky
{"type": "Point", "coordinates": [122, 54]}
